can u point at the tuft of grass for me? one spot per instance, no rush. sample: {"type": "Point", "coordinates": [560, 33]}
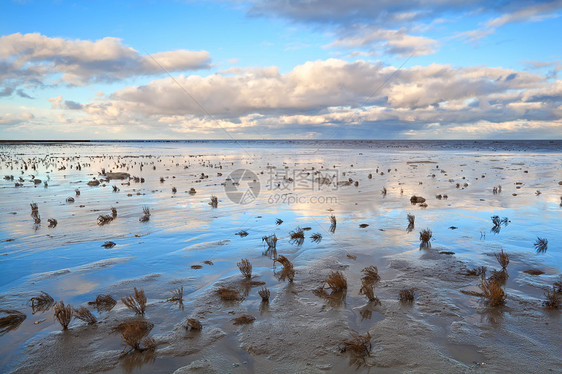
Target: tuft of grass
{"type": "Point", "coordinates": [271, 241]}
{"type": "Point", "coordinates": [41, 303]}
{"type": "Point", "coordinates": [134, 335]}
{"type": "Point", "coordinates": [228, 294]}
{"type": "Point", "coordinates": [316, 237]}
{"type": "Point", "coordinates": [11, 320]}
{"type": "Point", "coordinates": [333, 224]}
{"type": "Point", "coordinates": [63, 314]}
{"type": "Point", "coordinates": [552, 298]}
{"type": "Point", "coordinates": [136, 302]}
{"type": "Point", "coordinates": [407, 295]}
{"type": "Point", "coordinates": [242, 233]}
{"type": "Point", "coordinates": [214, 202]}
{"type": "Point", "coordinates": [193, 324]}
{"type": "Point", "coordinates": [177, 295]}
{"type": "Point", "coordinates": [288, 272]}
{"type": "Point", "coordinates": [478, 271]}
{"type": "Point", "coordinates": [103, 303]}
{"type": "Point", "coordinates": [359, 345]}
{"type": "Point", "coordinates": [503, 259]}
{"type": "Point", "coordinates": [336, 281]}
{"type": "Point", "coordinates": [297, 236]}
{"type": "Point", "coordinates": [425, 237]}
{"type": "Point", "coordinates": [264, 294]}
{"type": "Point", "coordinates": [34, 208]}
{"type": "Point", "coordinates": [104, 219]}
{"type": "Point", "coordinates": [492, 291]}
{"type": "Point", "coordinates": [244, 319]}
{"type": "Point", "coordinates": [541, 245]}
{"type": "Point", "coordinates": [85, 315]}
{"type": "Point", "coordinates": [368, 289]}
{"type": "Point", "coordinates": [146, 214]}
{"type": "Point", "coordinates": [500, 276]}
{"type": "Point", "coordinates": [371, 274]}
{"type": "Point", "coordinates": [52, 222]}
{"type": "Point", "coordinates": [245, 268]}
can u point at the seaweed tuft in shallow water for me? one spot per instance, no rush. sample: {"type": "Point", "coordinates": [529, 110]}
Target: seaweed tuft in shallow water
{"type": "Point", "coordinates": [245, 268]}
{"type": "Point", "coordinates": [85, 315]}
{"type": "Point", "coordinates": [103, 303]}
{"type": "Point", "coordinates": [407, 295]}
{"type": "Point", "coordinates": [336, 281]}
{"type": "Point", "coordinates": [425, 237]}
{"type": "Point", "coordinates": [228, 294]}
{"type": "Point", "coordinates": [541, 245]}
{"type": "Point", "coordinates": [288, 272]}
{"type": "Point", "coordinates": [264, 294]}
{"type": "Point", "coordinates": [552, 298]}
{"type": "Point", "coordinates": [136, 302]}
{"type": "Point", "coordinates": [492, 291]}
{"type": "Point", "coordinates": [63, 314]}
{"type": "Point", "coordinates": [358, 345]}
{"type": "Point", "coordinates": [244, 319]}
{"type": "Point", "coordinates": [177, 295]}
{"type": "Point", "coordinates": [503, 259]}
{"type": "Point", "coordinates": [193, 324]}
{"type": "Point", "coordinates": [134, 335]}
{"type": "Point", "coordinates": [42, 302]}
{"type": "Point", "coordinates": [10, 321]}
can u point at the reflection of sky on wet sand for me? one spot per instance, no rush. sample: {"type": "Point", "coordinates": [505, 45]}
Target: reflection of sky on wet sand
{"type": "Point", "coordinates": [184, 229]}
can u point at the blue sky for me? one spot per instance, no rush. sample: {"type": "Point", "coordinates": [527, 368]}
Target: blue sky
{"type": "Point", "coordinates": [279, 69]}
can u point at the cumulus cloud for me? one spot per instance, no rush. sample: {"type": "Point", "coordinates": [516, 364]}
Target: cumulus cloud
{"type": "Point", "coordinates": [33, 58]}
{"type": "Point", "coordinates": [332, 97]}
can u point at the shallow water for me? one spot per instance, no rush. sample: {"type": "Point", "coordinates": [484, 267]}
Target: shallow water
{"type": "Point", "coordinates": [443, 330]}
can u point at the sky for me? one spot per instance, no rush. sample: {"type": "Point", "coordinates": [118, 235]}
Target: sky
{"type": "Point", "coordinates": [280, 69]}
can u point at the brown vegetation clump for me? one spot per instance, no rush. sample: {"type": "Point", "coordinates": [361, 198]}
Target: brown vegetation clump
{"type": "Point", "coordinates": [371, 274]}
{"type": "Point", "coordinates": [136, 302]}
{"type": "Point", "coordinates": [500, 276]}
{"type": "Point", "coordinates": [407, 295]}
{"type": "Point", "coordinates": [245, 268]}
{"type": "Point", "coordinates": [85, 315]}
{"type": "Point", "coordinates": [478, 271]}
{"type": "Point", "coordinates": [278, 221]}
{"type": "Point", "coordinates": [333, 224]}
{"type": "Point", "coordinates": [492, 291]}
{"type": "Point", "coordinates": [114, 212]}
{"type": "Point", "coordinates": [368, 289]}
{"type": "Point", "coordinates": [52, 222]}
{"type": "Point", "coordinates": [208, 262]}
{"type": "Point", "coordinates": [177, 295]}
{"type": "Point", "coordinates": [417, 199]}
{"type": "Point", "coordinates": [63, 314]}
{"type": "Point", "coordinates": [10, 321]}
{"type": "Point", "coordinates": [242, 233]}
{"type": "Point", "coordinates": [552, 298]}
{"type": "Point", "coordinates": [228, 294]}
{"type": "Point", "coordinates": [146, 214]}
{"type": "Point", "coordinates": [297, 236]}
{"type": "Point", "coordinates": [103, 303]}
{"type": "Point", "coordinates": [134, 335]}
{"type": "Point", "coordinates": [336, 281]}
{"type": "Point", "coordinates": [533, 272]}
{"type": "Point", "coordinates": [359, 345]}
{"type": "Point", "coordinates": [503, 259]}
{"type": "Point", "coordinates": [104, 219]}
{"type": "Point", "coordinates": [264, 294]}
{"type": "Point", "coordinates": [41, 303]}
{"type": "Point", "coordinates": [288, 272]}
{"type": "Point", "coordinates": [244, 319]}
{"type": "Point", "coordinates": [214, 202]}
{"type": "Point", "coordinates": [541, 245]}
{"type": "Point", "coordinates": [425, 237]}
{"type": "Point", "coordinates": [193, 324]}
{"type": "Point", "coordinates": [271, 241]}
{"type": "Point", "coordinates": [316, 237]}
{"type": "Point", "coordinates": [411, 222]}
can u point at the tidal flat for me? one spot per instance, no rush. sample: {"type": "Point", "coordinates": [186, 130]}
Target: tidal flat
{"type": "Point", "coordinates": [374, 256]}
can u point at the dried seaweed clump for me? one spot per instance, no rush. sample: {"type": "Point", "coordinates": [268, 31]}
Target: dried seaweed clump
{"type": "Point", "coordinates": [541, 245]}
{"type": "Point", "coordinates": [333, 224]}
{"type": "Point", "coordinates": [411, 222]}
{"type": "Point", "coordinates": [10, 321]}
{"type": "Point", "coordinates": [214, 202]}
{"type": "Point", "coordinates": [193, 324]}
{"type": "Point", "coordinates": [288, 272]}
{"type": "Point", "coordinates": [278, 221]}
{"type": "Point", "coordinates": [244, 319]}
{"type": "Point", "coordinates": [114, 212]}
{"type": "Point", "coordinates": [35, 213]}
{"type": "Point", "coordinates": [271, 241]}
{"type": "Point", "coordinates": [103, 303]}
{"type": "Point", "coordinates": [492, 291]}
{"type": "Point", "coordinates": [41, 303]}
{"type": "Point", "coordinates": [242, 233]}
{"type": "Point", "coordinates": [177, 295]}
{"type": "Point", "coordinates": [478, 271]}
{"type": "Point", "coordinates": [297, 236]}
{"type": "Point", "coordinates": [316, 237]}
{"type": "Point", "coordinates": [63, 314]}
{"type": "Point", "coordinates": [503, 259]}
{"type": "Point", "coordinates": [407, 295]}
{"type": "Point", "coordinates": [359, 345]}
{"type": "Point", "coordinates": [146, 214]}
{"type": "Point", "coordinates": [371, 274]}
{"type": "Point", "coordinates": [228, 294]}
{"type": "Point", "coordinates": [552, 298]}
{"type": "Point", "coordinates": [425, 237]}
{"type": "Point", "coordinates": [498, 222]}
{"type": "Point", "coordinates": [245, 268]}
{"type": "Point", "coordinates": [85, 315]}
{"type": "Point", "coordinates": [336, 281]}
{"type": "Point", "coordinates": [104, 219]}
{"type": "Point", "coordinates": [264, 294]}
{"type": "Point", "coordinates": [134, 335]}
{"type": "Point", "coordinates": [52, 222]}
{"type": "Point", "coordinates": [136, 302]}
{"type": "Point", "coordinates": [417, 199]}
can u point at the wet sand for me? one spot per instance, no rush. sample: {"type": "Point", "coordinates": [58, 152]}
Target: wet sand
{"type": "Point", "coordinates": [443, 330]}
